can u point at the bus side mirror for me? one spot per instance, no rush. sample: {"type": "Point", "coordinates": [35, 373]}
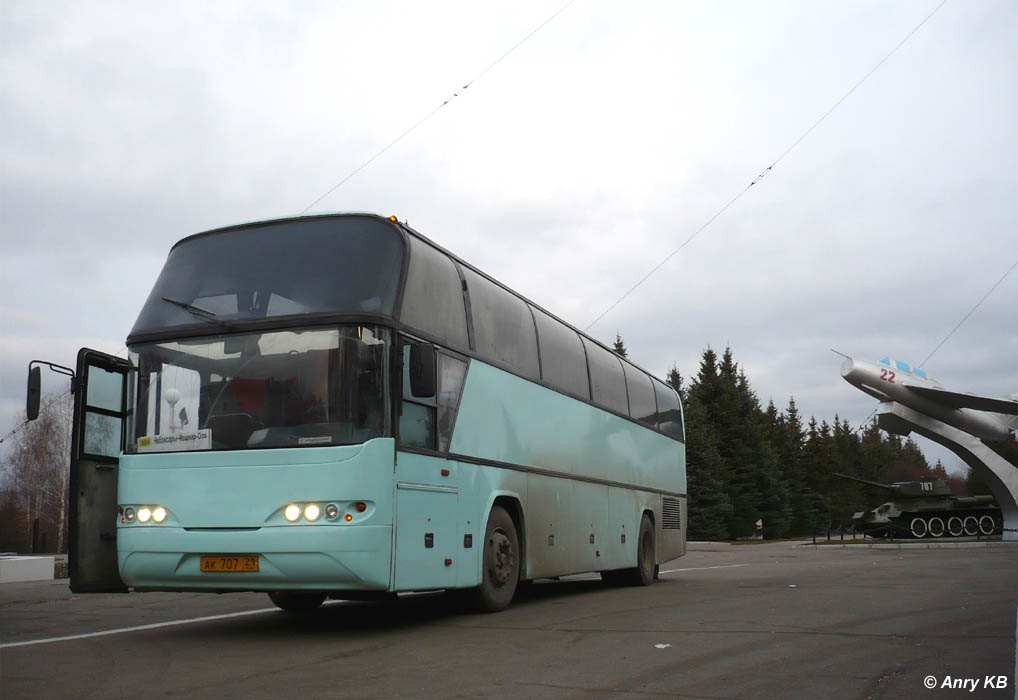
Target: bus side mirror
{"type": "Point", "coordinates": [34, 392]}
{"type": "Point", "coordinates": [422, 370]}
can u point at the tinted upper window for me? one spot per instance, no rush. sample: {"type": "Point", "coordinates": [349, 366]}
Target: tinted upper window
{"type": "Point", "coordinates": [642, 405]}
{"type": "Point", "coordinates": [562, 360]}
{"type": "Point", "coordinates": [433, 299]}
{"type": "Point", "coordinates": [607, 383]}
{"type": "Point", "coordinates": [503, 326]}
{"type": "Point", "coordinates": [310, 265]}
{"type": "Point", "coordinates": [669, 413]}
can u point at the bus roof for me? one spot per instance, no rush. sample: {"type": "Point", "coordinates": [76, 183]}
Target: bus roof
{"type": "Point", "coordinates": [406, 229]}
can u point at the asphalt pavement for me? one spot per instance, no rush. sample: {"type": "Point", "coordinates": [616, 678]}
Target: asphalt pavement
{"type": "Point", "coordinates": [727, 621]}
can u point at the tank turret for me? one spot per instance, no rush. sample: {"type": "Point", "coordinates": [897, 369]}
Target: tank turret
{"type": "Point", "coordinates": [926, 508]}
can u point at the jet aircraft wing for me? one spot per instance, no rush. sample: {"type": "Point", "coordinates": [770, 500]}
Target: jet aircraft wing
{"type": "Point", "coordinates": [957, 399]}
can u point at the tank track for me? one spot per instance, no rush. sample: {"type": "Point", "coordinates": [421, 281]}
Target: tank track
{"type": "Point", "coordinates": [941, 525]}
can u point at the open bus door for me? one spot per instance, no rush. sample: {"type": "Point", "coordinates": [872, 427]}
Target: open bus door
{"type": "Point", "coordinates": [97, 438]}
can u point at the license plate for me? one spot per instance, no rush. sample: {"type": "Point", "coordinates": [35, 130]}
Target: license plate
{"type": "Point", "coordinates": [228, 564]}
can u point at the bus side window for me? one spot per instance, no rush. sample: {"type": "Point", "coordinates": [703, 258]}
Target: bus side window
{"type": "Point", "coordinates": [607, 382]}
{"type": "Point", "coordinates": [417, 414]}
{"type": "Point", "coordinates": [452, 373]}
{"type": "Point", "coordinates": [642, 403]}
{"type": "Point", "coordinates": [433, 301]}
{"type": "Point", "coordinates": [669, 411]}
{"type": "Point", "coordinates": [503, 326]}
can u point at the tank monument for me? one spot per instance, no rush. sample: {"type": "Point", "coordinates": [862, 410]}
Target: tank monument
{"type": "Point", "coordinates": [912, 402]}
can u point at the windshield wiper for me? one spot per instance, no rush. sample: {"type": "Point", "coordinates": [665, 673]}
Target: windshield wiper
{"type": "Point", "coordinates": [197, 311]}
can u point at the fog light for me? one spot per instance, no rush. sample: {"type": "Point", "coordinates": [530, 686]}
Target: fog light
{"type": "Point", "coordinates": [144, 514]}
{"type": "Point", "coordinates": [312, 511]}
{"type": "Point", "coordinates": [331, 511]}
{"type": "Point", "coordinates": [292, 512]}
{"type": "Point", "coordinates": [129, 513]}
{"type": "Point", "coordinates": [159, 514]}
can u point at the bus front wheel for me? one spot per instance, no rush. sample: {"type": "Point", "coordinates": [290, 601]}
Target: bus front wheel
{"type": "Point", "coordinates": [296, 602]}
{"type": "Point", "coordinates": [500, 565]}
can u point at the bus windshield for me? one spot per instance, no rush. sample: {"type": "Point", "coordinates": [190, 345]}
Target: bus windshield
{"type": "Point", "coordinates": [314, 265]}
{"type": "Point", "coordinates": [287, 388]}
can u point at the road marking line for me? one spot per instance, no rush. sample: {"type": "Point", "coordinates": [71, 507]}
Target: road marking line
{"type": "Point", "coordinates": [137, 628]}
{"type": "Point", "coordinates": [701, 568]}
{"type": "Point", "coordinates": [244, 613]}
{"type": "Point", "coordinates": [153, 626]}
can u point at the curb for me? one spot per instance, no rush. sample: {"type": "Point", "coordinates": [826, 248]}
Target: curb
{"type": "Point", "coordinates": [915, 545]}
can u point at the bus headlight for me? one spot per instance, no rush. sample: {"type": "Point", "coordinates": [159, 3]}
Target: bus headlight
{"type": "Point", "coordinates": [312, 511]}
{"type": "Point", "coordinates": [129, 513]}
{"type": "Point", "coordinates": [159, 514]}
{"type": "Point", "coordinates": [331, 511]}
{"type": "Point", "coordinates": [144, 513]}
{"type": "Point", "coordinates": [292, 512]}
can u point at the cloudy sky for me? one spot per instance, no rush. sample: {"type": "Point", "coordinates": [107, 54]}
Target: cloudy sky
{"type": "Point", "coordinates": [567, 171]}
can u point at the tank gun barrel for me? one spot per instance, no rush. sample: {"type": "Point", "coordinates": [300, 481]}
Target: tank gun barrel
{"type": "Point", "coordinates": [864, 481]}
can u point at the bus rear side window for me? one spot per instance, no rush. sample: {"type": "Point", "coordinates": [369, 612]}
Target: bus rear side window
{"type": "Point", "coordinates": [669, 413]}
{"type": "Point", "coordinates": [642, 405]}
{"type": "Point", "coordinates": [607, 383]}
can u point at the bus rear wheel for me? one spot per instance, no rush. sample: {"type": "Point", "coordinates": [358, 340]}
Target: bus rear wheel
{"type": "Point", "coordinates": [296, 602]}
{"type": "Point", "coordinates": [500, 564]}
{"type": "Point", "coordinates": [646, 567]}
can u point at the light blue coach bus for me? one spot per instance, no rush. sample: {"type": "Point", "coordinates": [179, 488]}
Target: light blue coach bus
{"type": "Point", "coordinates": [334, 406]}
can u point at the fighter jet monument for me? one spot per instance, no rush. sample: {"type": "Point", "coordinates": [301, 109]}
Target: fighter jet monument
{"type": "Point", "coordinates": [912, 402]}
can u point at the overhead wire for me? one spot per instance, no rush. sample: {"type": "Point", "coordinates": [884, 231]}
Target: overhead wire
{"type": "Point", "coordinates": [766, 171]}
{"type": "Point", "coordinates": [971, 311]}
{"type": "Point", "coordinates": [449, 99]}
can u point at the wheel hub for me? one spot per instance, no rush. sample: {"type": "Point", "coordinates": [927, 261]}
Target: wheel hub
{"type": "Point", "coordinates": [502, 560]}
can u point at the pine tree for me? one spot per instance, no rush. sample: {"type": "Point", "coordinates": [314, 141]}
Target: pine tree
{"type": "Point", "coordinates": [675, 381]}
{"type": "Point", "coordinates": [746, 462]}
{"type": "Point", "coordinates": [709, 505]}
{"type": "Point", "coordinates": [620, 346]}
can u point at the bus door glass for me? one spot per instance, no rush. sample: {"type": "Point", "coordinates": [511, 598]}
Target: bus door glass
{"type": "Point", "coordinates": [97, 440]}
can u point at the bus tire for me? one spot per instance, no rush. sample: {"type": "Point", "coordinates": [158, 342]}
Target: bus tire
{"type": "Point", "coordinates": [292, 602]}
{"type": "Point", "coordinates": [500, 564]}
{"type": "Point", "coordinates": [646, 567]}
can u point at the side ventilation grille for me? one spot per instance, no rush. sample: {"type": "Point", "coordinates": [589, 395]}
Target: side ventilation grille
{"type": "Point", "coordinates": [670, 517]}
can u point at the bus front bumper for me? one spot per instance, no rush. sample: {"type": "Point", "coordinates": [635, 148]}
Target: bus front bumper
{"type": "Point", "coordinates": [308, 557]}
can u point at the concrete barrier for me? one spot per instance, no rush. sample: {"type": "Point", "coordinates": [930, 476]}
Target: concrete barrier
{"type": "Point", "coordinates": [14, 569]}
